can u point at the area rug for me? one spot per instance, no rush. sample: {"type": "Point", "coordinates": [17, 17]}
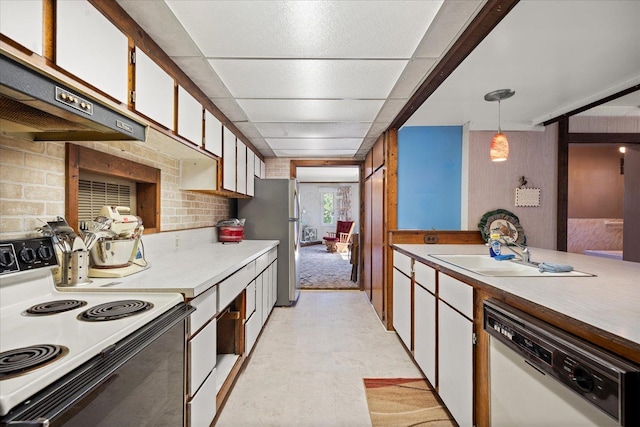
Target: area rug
{"type": "Point", "coordinates": [320, 269]}
{"type": "Point", "coordinates": [404, 402]}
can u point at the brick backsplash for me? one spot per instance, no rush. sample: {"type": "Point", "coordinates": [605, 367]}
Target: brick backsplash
{"type": "Point", "coordinates": [32, 178]}
{"type": "Point", "coordinates": [278, 167]}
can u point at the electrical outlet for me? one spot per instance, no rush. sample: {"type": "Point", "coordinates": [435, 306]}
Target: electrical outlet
{"type": "Point", "coordinates": [177, 240]}
{"type": "Point", "coordinates": [431, 238]}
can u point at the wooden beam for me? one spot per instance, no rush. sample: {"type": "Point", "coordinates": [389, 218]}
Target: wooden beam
{"type": "Point", "coordinates": [603, 138]}
{"type": "Point", "coordinates": [593, 104]}
{"type": "Point", "coordinates": [562, 212]}
{"type": "Point", "coordinates": [485, 21]}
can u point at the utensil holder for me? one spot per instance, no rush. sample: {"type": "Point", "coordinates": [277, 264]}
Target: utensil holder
{"type": "Point", "coordinates": [74, 268]}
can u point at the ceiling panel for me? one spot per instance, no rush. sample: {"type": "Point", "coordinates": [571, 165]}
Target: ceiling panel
{"type": "Point", "coordinates": [313, 143]}
{"type": "Point", "coordinates": [314, 153]}
{"type": "Point", "coordinates": [313, 130]}
{"type": "Point", "coordinates": [342, 70]}
{"type": "Point", "coordinates": [200, 71]}
{"type": "Point", "coordinates": [231, 109]}
{"type": "Point", "coordinates": [308, 110]}
{"type": "Point", "coordinates": [451, 19]}
{"type": "Point", "coordinates": [248, 129]}
{"type": "Point", "coordinates": [306, 29]}
{"type": "Point", "coordinates": [413, 74]}
{"type": "Point", "coordinates": [552, 73]}
{"type": "Point", "coordinates": [162, 25]}
{"type": "Point", "coordinates": [328, 174]}
{"type": "Point", "coordinates": [329, 79]}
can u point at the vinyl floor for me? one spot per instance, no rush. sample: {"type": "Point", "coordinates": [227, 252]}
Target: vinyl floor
{"type": "Point", "coordinates": [308, 366]}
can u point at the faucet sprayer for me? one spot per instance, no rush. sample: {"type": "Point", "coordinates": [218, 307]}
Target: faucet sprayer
{"type": "Point", "coordinates": [525, 255]}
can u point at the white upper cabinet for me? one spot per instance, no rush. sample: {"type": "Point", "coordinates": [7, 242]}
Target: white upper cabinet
{"type": "Point", "coordinates": [189, 117]}
{"type": "Point", "coordinates": [21, 21]}
{"type": "Point", "coordinates": [229, 160]}
{"type": "Point", "coordinates": [256, 166]}
{"type": "Point", "coordinates": [250, 175]}
{"type": "Point", "coordinates": [199, 174]}
{"type": "Point", "coordinates": [212, 134]}
{"type": "Point", "coordinates": [90, 47]}
{"type": "Point", "coordinates": [154, 91]}
{"type": "Point", "coordinates": [263, 170]}
{"type": "Point", "coordinates": [241, 171]}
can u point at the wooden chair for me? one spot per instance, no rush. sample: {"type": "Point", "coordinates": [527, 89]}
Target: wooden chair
{"type": "Point", "coordinates": [338, 241]}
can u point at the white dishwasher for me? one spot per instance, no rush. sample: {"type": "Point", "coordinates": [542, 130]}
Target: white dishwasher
{"type": "Point", "coordinates": [542, 376]}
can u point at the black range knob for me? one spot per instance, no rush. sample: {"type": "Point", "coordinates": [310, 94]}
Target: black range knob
{"type": "Point", "coordinates": [582, 378]}
{"type": "Point", "coordinates": [45, 253]}
{"type": "Point", "coordinates": [28, 255]}
{"type": "Point", "coordinates": [6, 258]}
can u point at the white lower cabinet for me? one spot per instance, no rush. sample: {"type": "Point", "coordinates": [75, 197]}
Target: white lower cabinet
{"type": "Point", "coordinates": [202, 356]}
{"type": "Point", "coordinates": [424, 337]}
{"type": "Point", "coordinates": [253, 297]}
{"type": "Point", "coordinates": [260, 305]}
{"type": "Point", "coordinates": [252, 328]}
{"type": "Point", "coordinates": [214, 346]}
{"type": "Point", "coordinates": [455, 347]}
{"type": "Point", "coordinates": [402, 306]}
{"type": "Point", "coordinates": [201, 408]}
{"type": "Point", "coordinates": [440, 311]}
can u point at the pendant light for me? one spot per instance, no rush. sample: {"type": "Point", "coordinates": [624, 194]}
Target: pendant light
{"type": "Point", "coordinates": [499, 150]}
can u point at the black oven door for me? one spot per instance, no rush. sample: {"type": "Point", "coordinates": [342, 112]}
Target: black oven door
{"type": "Point", "coordinates": [138, 382]}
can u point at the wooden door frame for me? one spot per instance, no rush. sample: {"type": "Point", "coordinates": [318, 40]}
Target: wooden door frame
{"type": "Point", "coordinates": [293, 173]}
{"type": "Point", "coordinates": [564, 139]}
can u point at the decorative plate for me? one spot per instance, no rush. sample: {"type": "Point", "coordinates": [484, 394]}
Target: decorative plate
{"type": "Point", "coordinates": [503, 222]}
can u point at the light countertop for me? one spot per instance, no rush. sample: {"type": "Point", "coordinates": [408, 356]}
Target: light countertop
{"type": "Point", "coordinates": [188, 269]}
{"type": "Point", "coordinates": [609, 301]}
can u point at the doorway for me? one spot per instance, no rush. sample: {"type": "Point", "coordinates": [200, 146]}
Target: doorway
{"type": "Point", "coordinates": [595, 223]}
{"type": "Point", "coordinates": [330, 191]}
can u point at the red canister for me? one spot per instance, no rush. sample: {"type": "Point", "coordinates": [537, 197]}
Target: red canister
{"type": "Point", "coordinates": [227, 233]}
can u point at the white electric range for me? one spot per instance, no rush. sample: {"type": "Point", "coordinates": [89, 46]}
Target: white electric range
{"type": "Point", "coordinates": [60, 343]}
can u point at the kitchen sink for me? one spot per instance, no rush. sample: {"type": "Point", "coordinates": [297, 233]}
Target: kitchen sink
{"type": "Point", "coordinates": [487, 266]}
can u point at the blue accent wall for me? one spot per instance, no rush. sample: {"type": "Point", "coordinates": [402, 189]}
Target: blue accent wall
{"type": "Point", "coordinates": [429, 181]}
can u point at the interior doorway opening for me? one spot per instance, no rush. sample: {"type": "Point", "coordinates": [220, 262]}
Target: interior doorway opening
{"type": "Point", "coordinates": [330, 197]}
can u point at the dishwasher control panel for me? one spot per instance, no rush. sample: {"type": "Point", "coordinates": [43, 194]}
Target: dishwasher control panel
{"type": "Point", "coordinates": [603, 379]}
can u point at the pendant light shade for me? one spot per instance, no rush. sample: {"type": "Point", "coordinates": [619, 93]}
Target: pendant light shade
{"type": "Point", "coordinates": [499, 150]}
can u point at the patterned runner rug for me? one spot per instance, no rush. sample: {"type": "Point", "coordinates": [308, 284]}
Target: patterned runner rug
{"type": "Point", "coordinates": [320, 269]}
{"type": "Point", "coordinates": [404, 402]}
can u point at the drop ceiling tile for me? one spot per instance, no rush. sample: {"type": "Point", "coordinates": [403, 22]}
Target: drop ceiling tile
{"type": "Point", "coordinates": [332, 79]}
{"type": "Point", "coordinates": [170, 35]}
{"type": "Point", "coordinates": [230, 108]}
{"type": "Point", "coordinates": [310, 110]}
{"type": "Point", "coordinates": [314, 153]}
{"type": "Point", "coordinates": [390, 110]}
{"type": "Point", "coordinates": [451, 20]}
{"type": "Point", "coordinates": [297, 29]}
{"type": "Point", "coordinates": [313, 130]}
{"type": "Point", "coordinates": [248, 129]}
{"type": "Point", "coordinates": [201, 73]}
{"type": "Point", "coordinates": [376, 129]}
{"type": "Point", "coordinates": [413, 74]}
{"type": "Point", "coordinates": [313, 143]}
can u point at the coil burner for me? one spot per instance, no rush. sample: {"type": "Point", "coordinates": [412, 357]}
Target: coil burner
{"type": "Point", "coordinates": [114, 310]}
{"type": "Point", "coordinates": [54, 307]}
{"type": "Point", "coordinates": [19, 361]}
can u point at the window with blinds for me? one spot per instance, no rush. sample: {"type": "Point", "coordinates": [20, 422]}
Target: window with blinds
{"type": "Point", "coordinates": [96, 191]}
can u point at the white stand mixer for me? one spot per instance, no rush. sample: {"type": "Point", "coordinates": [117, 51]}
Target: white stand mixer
{"type": "Point", "coordinates": [115, 251]}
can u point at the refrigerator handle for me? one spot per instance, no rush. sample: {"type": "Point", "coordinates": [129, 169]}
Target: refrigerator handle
{"type": "Point", "coordinates": [294, 219]}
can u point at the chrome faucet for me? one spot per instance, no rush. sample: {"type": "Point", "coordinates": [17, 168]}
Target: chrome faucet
{"type": "Point", "coordinates": [525, 255]}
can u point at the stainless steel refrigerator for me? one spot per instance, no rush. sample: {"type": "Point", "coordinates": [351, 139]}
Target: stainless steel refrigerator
{"type": "Point", "coordinates": [274, 213]}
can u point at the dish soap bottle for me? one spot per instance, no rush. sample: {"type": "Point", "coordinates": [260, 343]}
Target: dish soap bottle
{"type": "Point", "coordinates": [495, 247]}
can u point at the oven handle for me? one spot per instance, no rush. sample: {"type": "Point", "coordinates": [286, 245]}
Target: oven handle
{"type": "Point", "coordinates": [56, 398]}
{"type": "Point", "coordinates": [38, 422]}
